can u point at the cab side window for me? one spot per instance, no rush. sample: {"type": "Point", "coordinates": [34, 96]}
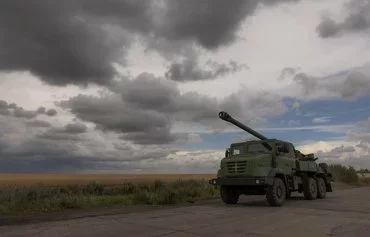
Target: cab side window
{"type": "Point", "coordinates": [292, 151]}
{"type": "Point", "coordinates": [283, 147]}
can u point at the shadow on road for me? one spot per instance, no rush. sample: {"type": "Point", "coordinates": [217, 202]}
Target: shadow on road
{"type": "Point", "coordinates": [259, 201]}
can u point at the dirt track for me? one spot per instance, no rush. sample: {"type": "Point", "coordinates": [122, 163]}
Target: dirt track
{"type": "Point", "coordinates": [343, 213]}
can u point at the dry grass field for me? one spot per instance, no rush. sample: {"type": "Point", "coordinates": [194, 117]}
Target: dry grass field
{"type": "Point", "coordinates": [106, 179]}
{"type": "Point", "coordinates": [24, 193]}
{"type": "Point", "coordinates": [32, 193]}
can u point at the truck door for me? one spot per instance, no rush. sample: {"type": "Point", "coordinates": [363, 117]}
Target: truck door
{"type": "Point", "coordinates": [292, 160]}
{"type": "Point", "coordinates": [286, 161]}
{"type": "Point", "coordinates": [286, 158]}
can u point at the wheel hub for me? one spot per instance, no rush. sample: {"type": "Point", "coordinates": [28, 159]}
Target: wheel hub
{"type": "Point", "coordinates": [322, 188]}
{"type": "Point", "coordinates": [313, 188]}
{"type": "Point", "coordinates": [278, 192]}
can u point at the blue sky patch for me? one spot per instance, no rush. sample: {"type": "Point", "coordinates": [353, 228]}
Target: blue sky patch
{"type": "Point", "coordinates": [312, 121]}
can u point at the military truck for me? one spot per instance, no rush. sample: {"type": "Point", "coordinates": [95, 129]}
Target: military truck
{"type": "Point", "coordinates": [269, 167]}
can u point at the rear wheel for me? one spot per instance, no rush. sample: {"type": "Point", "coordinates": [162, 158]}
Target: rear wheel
{"type": "Point", "coordinates": [229, 195]}
{"type": "Point", "coordinates": [321, 188]}
{"type": "Point", "coordinates": [276, 194]}
{"type": "Point", "coordinates": [310, 189]}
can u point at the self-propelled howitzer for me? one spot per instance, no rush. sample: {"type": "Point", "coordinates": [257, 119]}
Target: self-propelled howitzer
{"type": "Point", "coordinates": [269, 167]}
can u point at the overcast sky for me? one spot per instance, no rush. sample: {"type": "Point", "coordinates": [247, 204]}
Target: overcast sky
{"type": "Point", "coordinates": [136, 86]}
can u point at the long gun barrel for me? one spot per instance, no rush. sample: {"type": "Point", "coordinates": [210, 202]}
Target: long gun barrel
{"type": "Point", "coordinates": [227, 117]}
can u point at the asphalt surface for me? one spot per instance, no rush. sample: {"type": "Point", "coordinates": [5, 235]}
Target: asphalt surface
{"type": "Point", "coordinates": [342, 213]}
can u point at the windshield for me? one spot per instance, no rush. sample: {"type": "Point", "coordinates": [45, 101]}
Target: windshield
{"type": "Point", "coordinates": [258, 147]}
{"type": "Point", "coordinates": [255, 147]}
{"type": "Point", "coordinates": [237, 150]}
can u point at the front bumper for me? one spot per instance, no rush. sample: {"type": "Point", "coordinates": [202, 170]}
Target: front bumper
{"type": "Point", "coordinates": [253, 181]}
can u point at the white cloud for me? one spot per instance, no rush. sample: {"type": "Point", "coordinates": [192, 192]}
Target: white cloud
{"type": "Point", "coordinates": [291, 122]}
{"type": "Point", "coordinates": [194, 138]}
{"type": "Point", "coordinates": [323, 119]}
{"type": "Point", "coordinates": [340, 151]}
{"type": "Point", "coordinates": [352, 149]}
{"type": "Point", "coordinates": [268, 48]}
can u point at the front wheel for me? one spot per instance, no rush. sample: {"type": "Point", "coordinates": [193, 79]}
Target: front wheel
{"type": "Point", "coordinates": [310, 189]}
{"type": "Point", "coordinates": [276, 194]}
{"type": "Point", "coordinates": [229, 195]}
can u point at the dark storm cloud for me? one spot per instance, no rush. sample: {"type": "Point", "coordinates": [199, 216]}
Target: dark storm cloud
{"type": "Point", "coordinates": [74, 128]}
{"type": "Point", "coordinates": [308, 83]}
{"type": "Point", "coordinates": [287, 72]}
{"type": "Point", "coordinates": [41, 110]}
{"type": "Point", "coordinates": [70, 131]}
{"type": "Point", "coordinates": [16, 111]}
{"type": "Point", "coordinates": [5, 112]}
{"type": "Point", "coordinates": [147, 91]}
{"type": "Point", "coordinates": [356, 84]}
{"type": "Point", "coordinates": [32, 151]}
{"type": "Point", "coordinates": [49, 112]}
{"type": "Point", "coordinates": [150, 136]}
{"type": "Point", "coordinates": [150, 93]}
{"type": "Point", "coordinates": [36, 155]}
{"type": "Point", "coordinates": [349, 84]}
{"type": "Point", "coordinates": [44, 156]}
{"type": "Point", "coordinates": [356, 20]}
{"type": "Point", "coordinates": [64, 42]}
{"type": "Point", "coordinates": [210, 23]}
{"type": "Point", "coordinates": [143, 110]}
{"type": "Point", "coordinates": [76, 42]}
{"type": "Point", "coordinates": [21, 113]}
{"type": "Point", "coordinates": [113, 114]}
{"type": "Point", "coordinates": [46, 38]}
{"type": "Point", "coordinates": [38, 123]}
{"type": "Point", "coordinates": [27, 153]}
{"type": "Point", "coordinates": [3, 104]}
{"type": "Point", "coordinates": [190, 70]}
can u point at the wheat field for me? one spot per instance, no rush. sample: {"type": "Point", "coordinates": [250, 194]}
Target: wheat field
{"type": "Point", "coordinates": [108, 179]}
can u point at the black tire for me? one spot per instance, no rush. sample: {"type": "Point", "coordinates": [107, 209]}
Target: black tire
{"type": "Point", "coordinates": [229, 195]}
{"type": "Point", "coordinates": [310, 189]}
{"type": "Point", "coordinates": [321, 188]}
{"type": "Point", "coordinates": [325, 167]}
{"type": "Point", "coordinates": [276, 194]}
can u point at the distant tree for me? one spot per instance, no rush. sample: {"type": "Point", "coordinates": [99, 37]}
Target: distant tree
{"type": "Point", "coordinates": [343, 173]}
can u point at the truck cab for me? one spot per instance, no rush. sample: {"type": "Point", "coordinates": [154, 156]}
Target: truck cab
{"type": "Point", "coordinates": [268, 167]}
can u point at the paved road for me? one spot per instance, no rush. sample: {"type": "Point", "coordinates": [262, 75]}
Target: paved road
{"type": "Point", "coordinates": [343, 213]}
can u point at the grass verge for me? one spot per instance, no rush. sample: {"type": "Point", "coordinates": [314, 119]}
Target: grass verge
{"type": "Point", "coordinates": [17, 199]}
